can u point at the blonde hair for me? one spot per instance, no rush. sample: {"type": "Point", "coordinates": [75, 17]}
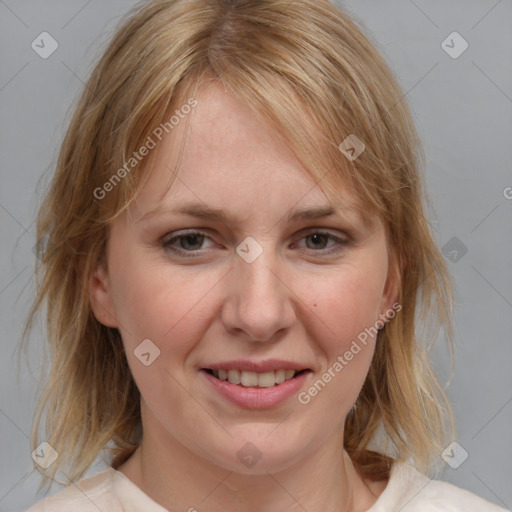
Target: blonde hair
{"type": "Point", "coordinates": [306, 68]}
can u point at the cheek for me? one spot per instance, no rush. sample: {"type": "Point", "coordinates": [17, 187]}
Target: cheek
{"type": "Point", "coordinates": [170, 308]}
{"type": "Point", "coordinates": [161, 304]}
{"type": "Point", "coordinates": [345, 304]}
{"type": "Point", "coordinates": [346, 308]}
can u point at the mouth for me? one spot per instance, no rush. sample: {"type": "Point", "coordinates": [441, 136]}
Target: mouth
{"type": "Point", "coordinates": [251, 379]}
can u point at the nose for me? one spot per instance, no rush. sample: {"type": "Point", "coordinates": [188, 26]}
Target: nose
{"type": "Point", "coordinates": [259, 299]}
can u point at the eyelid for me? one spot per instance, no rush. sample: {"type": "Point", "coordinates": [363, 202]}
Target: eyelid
{"type": "Point", "coordinates": [341, 240]}
{"type": "Point", "coordinates": [183, 233]}
{"type": "Point", "coordinates": [335, 233]}
{"type": "Point", "coordinates": [176, 235]}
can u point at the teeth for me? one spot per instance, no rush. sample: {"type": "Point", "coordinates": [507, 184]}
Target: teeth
{"type": "Point", "coordinates": [280, 376]}
{"type": "Point", "coordinates": [266, 380]}
{"type": "Point", "coordinates": [249, 378]}
{"type": "Point", "coordinates": [255, 379]}
{"type": "Point", "coordinates": [234, 376]}
{"type": "Point", "coordinates": [288, 374]}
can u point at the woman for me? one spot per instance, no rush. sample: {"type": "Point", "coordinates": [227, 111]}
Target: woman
{"type": "Point", "coordinates": [236, 258]}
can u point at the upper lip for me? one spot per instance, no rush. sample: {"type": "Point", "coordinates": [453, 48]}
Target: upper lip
{"type": "Point", "coordinates": [268, 365]}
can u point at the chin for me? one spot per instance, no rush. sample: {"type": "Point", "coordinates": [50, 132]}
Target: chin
{"type": "Point", "coordinates": [256, 452]}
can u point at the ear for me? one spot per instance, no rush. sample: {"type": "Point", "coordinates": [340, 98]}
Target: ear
{"type": "Point", "coordinates": [101, 297]}
{"type": "Point", "coordinates": [393, 283]}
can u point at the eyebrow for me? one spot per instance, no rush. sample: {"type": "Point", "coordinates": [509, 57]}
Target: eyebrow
{"type": "Point", "coordinates": [201, 211]}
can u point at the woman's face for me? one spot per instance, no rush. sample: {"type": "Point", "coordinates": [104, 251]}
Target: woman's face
{"type": "Point", "coordinates": [263, 286]}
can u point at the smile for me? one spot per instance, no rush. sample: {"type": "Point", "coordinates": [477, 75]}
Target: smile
{"type": "Point", "coordinates": [255, 390]}
{"type": "Point", "coordinates": [255, 379]}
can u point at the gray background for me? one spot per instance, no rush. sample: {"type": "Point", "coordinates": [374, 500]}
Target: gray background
{"type": "Point", "coordinates": [463, 110]}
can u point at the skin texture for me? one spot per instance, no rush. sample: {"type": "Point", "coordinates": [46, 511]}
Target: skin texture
{"type": "Point", "coordinates": [301, 300]}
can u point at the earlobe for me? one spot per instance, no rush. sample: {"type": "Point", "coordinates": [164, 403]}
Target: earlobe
{"type": "Point", "coordinates": [101, 297]}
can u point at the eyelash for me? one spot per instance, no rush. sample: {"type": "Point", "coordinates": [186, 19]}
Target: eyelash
{"type": "Point", "coordinates": [167, 244]}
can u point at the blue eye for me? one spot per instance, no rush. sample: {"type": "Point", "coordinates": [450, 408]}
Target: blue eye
{"type": "Point", "coordinates": [190, 244]}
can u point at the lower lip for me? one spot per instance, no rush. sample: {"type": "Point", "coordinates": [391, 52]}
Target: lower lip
{"type": "Point", "coordinates": [254, 397]}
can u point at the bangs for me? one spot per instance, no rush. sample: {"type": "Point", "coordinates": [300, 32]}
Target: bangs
{"type": "Point", "coordinates": [316, 100]}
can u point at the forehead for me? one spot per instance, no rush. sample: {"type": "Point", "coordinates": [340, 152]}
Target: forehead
{"type": "Point", "coordinates": [221, 156]}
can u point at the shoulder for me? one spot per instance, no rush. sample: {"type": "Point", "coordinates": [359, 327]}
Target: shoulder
{"type": "Point", "coordinates": [88, 495]}
{"type": "Point", "coordinates": [411, 491]}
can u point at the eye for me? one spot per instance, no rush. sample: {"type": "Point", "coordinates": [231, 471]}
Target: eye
{"type": "Point", "coordinates": [186, 244]}
{"type": "Point", "coordinates": [190, 244]}
{"type": "Point", "coordinates": [318, 242]}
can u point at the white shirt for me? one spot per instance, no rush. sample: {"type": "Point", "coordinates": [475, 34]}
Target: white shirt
{"type": "Point", "coordinates": [407, 491]}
